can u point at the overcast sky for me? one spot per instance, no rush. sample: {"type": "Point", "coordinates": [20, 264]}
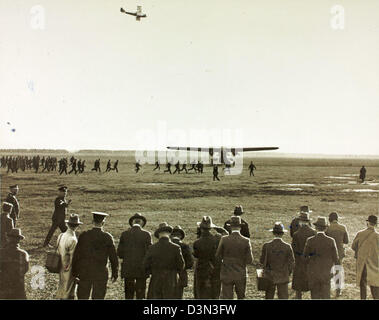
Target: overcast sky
{"type": "Point", "coordinates": [276, 71]}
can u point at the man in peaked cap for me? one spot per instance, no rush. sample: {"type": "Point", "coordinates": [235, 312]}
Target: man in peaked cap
{"type": "Point", "coordinates": [277, 260]}
{"type": "Point", "coordinates": [11, 198]}
{"type": "Point", "coordinates": [295, 222]}
{"type": "Point", "coordinates": [89, 264]}
{"type": "Point", "coordinates": [163, 260]}
{"type": "Point", "coordinates": [321, 254]}
{"type": "Point", "coordinates": [366, 247]}
{"type": "Point", "coordinates": [14, 263]}
{"type": "Point", "coordinates": [238, 211]}
{"type": "Point", "coordinates": [207, 271]}
{"type": "Point", "coordinates": [177, 237]}
{"type": "Point", "coordinates": [59, 215]}
{"type": "Point", "coordinates": [300, 278]}
{"type": "Point", "coordinates": [6, 223]}
{"type": "Point", "coordinates": [235, 253]}
{"type": "Point", "coordinates": [339, 233]}
{"type": "Point", "coordinates": [132, 249]}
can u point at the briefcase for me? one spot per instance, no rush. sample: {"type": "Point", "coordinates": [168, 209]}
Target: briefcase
{"type": "Point", "coordinates": [53, 260]}
{"type": "Point", "coordinates": [262, 282]}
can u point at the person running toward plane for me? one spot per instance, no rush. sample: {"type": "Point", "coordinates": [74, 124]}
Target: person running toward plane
{"type": "Point", "coordinates": [157, 166]}
{"type": "Point", "coordinates": [168, 166]}
{"type": "Point", "coordinates": [215, 173]}
{"type": "Point", "coordinates": [115, 166]}
{"type": "Point", "coordinates": [108, 166]}
{"type": "Point", "coordinates": [138, 166]}
{"type": "Point", "coordinates": [252, 167]}
{"type": "Point", "coordinates": [193, 167]}
{"type": "Point", "coordinates": [184, 167]}
{"type": "Point", "coordinates": [177, 168]}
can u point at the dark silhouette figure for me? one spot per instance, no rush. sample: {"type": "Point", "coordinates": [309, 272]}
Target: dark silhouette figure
{"type": "Point", "coordinates": [362, 174]}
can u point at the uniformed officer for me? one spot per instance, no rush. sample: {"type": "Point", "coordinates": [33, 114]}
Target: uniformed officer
{"type": "Point", "coordinates": [11, 198]}
{"type": "Point", "coordinates": [14, 263]}
{"type": "Point", "coordinates": [89, 264]}
{"type": "Point", "coordinates": [6, 223]}
{"type": "Point", "coordinates": [59, 215]}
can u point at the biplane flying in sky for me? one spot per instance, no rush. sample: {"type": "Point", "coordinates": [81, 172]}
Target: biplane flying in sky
{"type": "Point", "coordinates": [138, 14]}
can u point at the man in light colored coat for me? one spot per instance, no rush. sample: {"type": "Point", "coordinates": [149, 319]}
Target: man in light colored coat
{"type": "Point", "coordinates": [235, 253]}
{"type": "Point", "coordinates": [66, 246]}
{"type": "Point", "coordinates": [366, 247]}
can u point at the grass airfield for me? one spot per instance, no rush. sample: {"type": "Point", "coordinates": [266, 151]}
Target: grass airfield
{"type": "Point", "coordinates": [280, 186]}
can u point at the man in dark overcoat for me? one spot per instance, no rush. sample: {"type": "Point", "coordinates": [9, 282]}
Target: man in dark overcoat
{"type": "Point", "coordinates": [295, 225]}
{"type": "Point", "coordinates": [207, 271]}
{"type": "Point", "coordinates": [238, 211]}
{"type": "Point", "coordinates": [277, 260]}
{"type": "Point", "coordinates": [321, 254]}
{"type": "Point", "coordinates": [164, 261]}
{"type": "Point", "coordinates": [90, 261]}
{"type": "Point", "coordinates": [177, 237]}
{"type": "Point", "coordinates": [14, 263]}
{"type": "Point", "coordinates": [300, 278]}
{"type": "Point", "coordinates": [6, 223]}
{"type": "Point", "coordinates": [132, 249]}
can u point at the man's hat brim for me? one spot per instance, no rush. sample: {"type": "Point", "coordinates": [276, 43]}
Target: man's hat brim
{"type": "Point", "coordinates": [162, 229]}
{"type": "Point", "coordinates": [137, 217]}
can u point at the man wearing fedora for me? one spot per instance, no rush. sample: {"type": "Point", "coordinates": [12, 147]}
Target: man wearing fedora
{"type": "Point", "coordinates": [177, 237]}
{"type": "Point", "coordinates": [277, 260]}
{"type": "Point", "coordinates": [321, 255]}
{"type": "Point", "coordinates": [14, 263]}
{"type": "Point", "coordinates": [238, 211]}
{"type": "Point", "coordinates": [132, 249]}
{"type": "Point", "coordinates": [235, 253]}
{"type": "Point", "coordinates": [300, 278]}
{"type": "Point", "coordinates": [66, 244]}
{"type": "Point", "coordinates": [207, 271]}
{"type": "Point", "coordinates": [6, 223]}
{"type": "Point", "coordinates": [11, 198]}
{"type": "Point", "coordinates": [366, 247]}
{"type": "Point", "coordinates": [59, 215]}
{"type": "Point", "coordinates": [294, 226]}
{"type": "Point", "coordinates": [164, 261]}
{"type": "Point", "coordinates": [339, 233]}
{"type": "Point", "coordinates": [90, 262]}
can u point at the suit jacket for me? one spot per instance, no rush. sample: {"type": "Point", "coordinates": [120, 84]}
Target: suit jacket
{"type": "Point", "coordinates": [235, 253]}
{"type": "Point", "coordinates": [188, 261]}
{"type": "Point", "coordinates": [366, 247]}
{"type": "Point", "coordinates": [60, 209]}
{"type": "Point", "coordinates": [132, 249]}
{"type": "Point", "coordinates": [294, 226]}
{"type": "Point", "coordinates": [339, 233]}
{"type": "Point", "coordinates": [321, 254]}
{"type": "Point", "coordinates": [277, 259]}
{"type": "Point", "coordinates": [163, 260]}
{"type": "Point", "coordinates": [204, 249]}
{"type": "Point", "coordinates": [244, 228]}
{"type": "Point", "coordinates": [300, 277]}
{"type": "Point", "coordinates": [91, 256]}
{"type": "Point", "coordinates": [6, 226]}
{"type": "Point", "coordinates": [15, 213]}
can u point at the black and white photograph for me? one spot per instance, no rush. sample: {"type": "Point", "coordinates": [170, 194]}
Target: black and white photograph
{"type": "Point", "coordinates": [189, 150]}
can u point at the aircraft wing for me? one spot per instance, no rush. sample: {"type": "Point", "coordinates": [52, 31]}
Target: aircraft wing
{"type": "Point", "coordinates": [259, 149]}
{"type": "Point", "coordinates": [131, 13]}
{"type": "Point", "coordinates": [219, 148]}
